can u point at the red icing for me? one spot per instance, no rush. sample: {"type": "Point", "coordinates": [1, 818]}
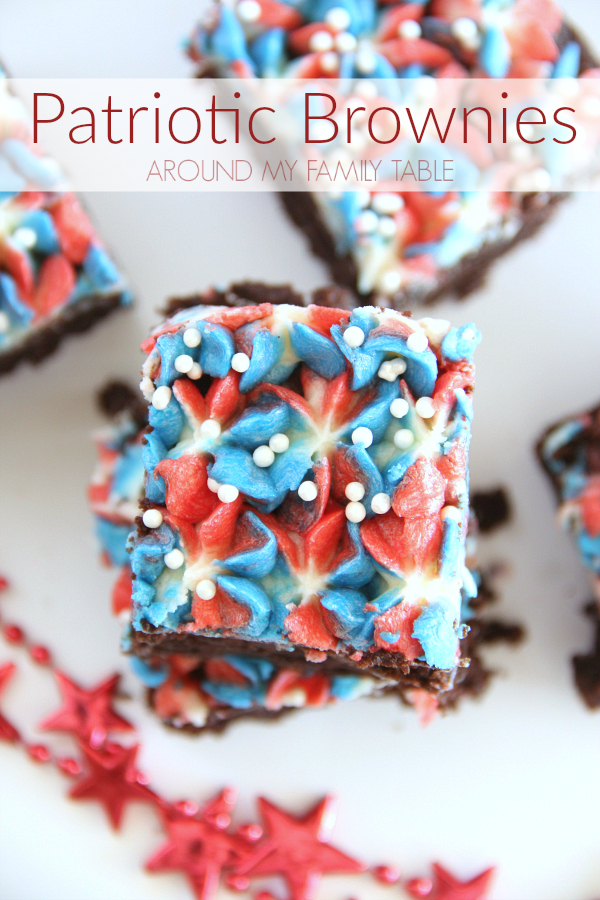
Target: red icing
{"type": "Point", "coordinates": [589, 503]}
{"type": "Point", "coordinates": [402, 545]}
{"type": "Point", "coordinates": [399, 620]}
{"type": "Point", "coordinates": [74, 229]}
{"type": "Point", "coordinates": [223, 397]}
{"type": "Point", "coordinates": [421, 492]}
{"type": "Point", "coordinates": [305, 626]}
{"type": "Point", "coordinates": [121, 592]}
{"type": "Point", "coordinates": [219, 613]}
{"type": "Point", "coordinates": [56, 280]}
{"type": "Point", "coordinates": [188, 496]}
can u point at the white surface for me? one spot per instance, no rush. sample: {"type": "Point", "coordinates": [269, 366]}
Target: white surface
{"type": "Point", "coordinates": [512, 779]}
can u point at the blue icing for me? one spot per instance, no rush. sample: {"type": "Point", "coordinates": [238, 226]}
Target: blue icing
{"type": "Point", "coordinates": [266, 351]}
{"type": "Point", "coordinates": [170, 346]}
{"type": "Point", "coordinates": [168, 422]}
{"type": "Point", "coordinates": [358, 568]}
{"type": "Point", "coordinates": [259, 561]}
{"type": "Point", "coordinates": [435, 631]}
{"type": "Point", "coordinates": [460, 343]}
{"type": "Point", "coordinates": [450, 550]}
{"type": "Point", "coordinates": [289, 468]}
{"type": "Point", "coordinates": [376, 416]}
{"type": "Point", "coordinates": [345, 687]}
{"type": "Point", "coordinates": [145, 604]}
{"type": "Point", "coordinates": [227, 40]}
{"type": "Point", "coordinates": [421, 366]}
{"type": "Point", "coordinates": [568, 63]}
{"type": "Point", "coordinates": [147, 556]}
{"type": "Point", "coordinates": [252, 596]}
{"type": "Point", "coordinates": [10, 302]}
{"type": "Point", "coordinates": [128, 473]}
{"type": "Point", "coordinates": [216, 349]}
{"type": "Point", "coordinates": [153, 451]}
{"type": "Point", "coordinates": [494, 54]}
{"type": "Point", "coordinates": [152, 675]}
{"type": "Point", "coordinates": [316, 351]}
{"type": "Point", "coordinates": [113, 538]}
{"type": "Point", "coordinates": [255, 670]}
{"type": "Point", "coordinates": [268, 52]}
{"type": "Point", "coordinates": [41, 171]}
{"type": "Point", "coordinates": [370, 476]}
{"type": "Point", "coordinates": [259, 423]}
{"type": "Point", "coordinates": [235, 466]}
{"type": "Point", "coordinates": [99, 268]}
{"type": "Point", "coordinates": [235, 695]}
{"type": "Point", "coordinates": [46, 237]}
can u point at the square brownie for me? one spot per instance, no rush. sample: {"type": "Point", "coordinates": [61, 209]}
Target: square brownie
{"type": "Point", "coordinates": [570, 454]}
{"type": "Point", "coordinates": [55, 276]}
{"type": "Point", "coordinates": [306, 488]}
{"type": "Point", "coordinates": [400, 248]}
{"type": "Point", "coordinates": [194, 694]}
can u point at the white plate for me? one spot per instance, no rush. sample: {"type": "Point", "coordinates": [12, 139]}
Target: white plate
{"type": "Point", "coordinates": [511, 780]}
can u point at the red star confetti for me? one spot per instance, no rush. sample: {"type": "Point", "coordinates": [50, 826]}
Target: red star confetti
{"type": "Point", "coordinates": [88, 715]}
{"type": "Point", "coordinates": [298, 849]}
{"type": "Point", "coordinates": [446, 887]}
{"type": "Point", "coordinates": [198, 843]}
{"type": "Point", "coordinates": [7, 731]}
{"type": "Point", "coordinates": [112, 779]}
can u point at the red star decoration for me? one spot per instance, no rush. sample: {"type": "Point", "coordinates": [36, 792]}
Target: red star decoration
{"type": "Point", "coordinates": [7, 731]}
{"type": "Point", "coordinates": [88, 715]}
{"type": "Point", "coordinates": [198, 844]}
{"type": "Point", "coordinates": [298, 849]}
{"type": "Point", "coordinates": [447, 887]}
{"type": "Point", "coordinates": [112, 779]}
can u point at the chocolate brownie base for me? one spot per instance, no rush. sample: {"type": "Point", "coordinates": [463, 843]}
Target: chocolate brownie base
{"type": "Point", "coordinates": [459, 280]}
{"type": "Point", "coordinates": [469, 681]}
{"type": "Point", "coordinates": [71, 320]}
{"type": "Point", "coordinates": [587, 666]}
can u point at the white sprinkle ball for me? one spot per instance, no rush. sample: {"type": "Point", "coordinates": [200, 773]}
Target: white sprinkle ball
{"type": "Point", "coordinates": [417, 342]}
{"type": "Point", "coordinates": [387, 227]}
{"type": "Point", "coordinates": [362, 435]}
{"type": "Point", "coordinates": [4, 323]}
{"type": "Point", "coordinates": [451, 512]}
{"type": "Point", "coordinates": [152, 518]}
{"type": "Point", "coordinates": [354, 490]}
{"type": "Point", "coordinates": [212, 485]}
{"type": "Point", "coordinates": [345, 43]}
{"type": "Point", "coordinates": [279, 443]}
{"type": "Point", "coordinates": [399, 365]}
{"type": "Point", "coordinates": [192, 337]}
{"type": "Point", "coordinates": [410, 30]}
{"type": "Point", "coordinates": [381, 503]}
{"type": "Point", "coordinates": [146, 386]}
{"type": "Point", "coordinates": [174, 559]}
{"type": "Point", "coordinates": [249, 10]}
{"type": "Point", "coordinates": [206, 589]}
{"type": "Point", "coordinates": [307, 491]}
{"type": "Point", "coordinates": [386, 371]}
{"type": "Point", "coordinates": [329, 61]}
{"type": "Point", "coordinates": [263, 456]}
{"type": "Point", "coordinates": [387, 204]}
{"type": "Point", "coordinates": [240, 362]}
{"type": "Point", "coordinates": [195, 372]}
{"type": "Point", "coordinates": [228, 493]}
{"type": "Point", "coordinates": [184, 363]}
{"type": "Point", "coordinates": [465, 30]}
{"type": "Point", "coordinates": [404, 438]}
{"type": "Point", "coordinates": [161, 397]}
{"type": "Point", "coordinates": [425, 408]}
{"type": "Point", "coordinates": [210, 428]}
{"type": "Point", "coordinates": [355, 512]}
{"type": "Point", "coordinates": [338, 18]}
{"type": "Point", "coordinates": [320, 41]}
{"type": "Point", "coordinates": [26, 237]}
{"type": "Point", "coordinates": [389, 281]}
{"type": "Point", "coordinates": [399, 407]}
{"type": "Point", "coordinates": [354, 336]}
{"type": "Point", "coordinates": [468, 334]}
{"type": "Point", "coordinates": [365, 61]}
{"type": "Point", "coordinates": [366, 222]}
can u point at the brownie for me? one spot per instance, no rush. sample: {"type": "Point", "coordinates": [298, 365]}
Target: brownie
{"type": "Point", "coordinates": [570, 454]}
{"type": "Point", "coordinates": [401, 248]}
{"type": "Point", "coordinates": [194, 694]}
{"type": "Point", "coordinates": [56, 278]}
{"type": "Point", "coordinates": [269, 427]}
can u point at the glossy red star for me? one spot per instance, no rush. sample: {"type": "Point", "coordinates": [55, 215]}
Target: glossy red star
{"type": "Point", "coordinates": [88, 715]}
{"type": "Point", "coordinates": [198, 844]}
{"type": "Point", "coordinates": [7, 731]}
{"type": "Point", "coordinates": [112, 779]}
{"type": "Point", "coordinates": [298, 849]}
{"type": "Point", "coordinates": [446, 887]}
